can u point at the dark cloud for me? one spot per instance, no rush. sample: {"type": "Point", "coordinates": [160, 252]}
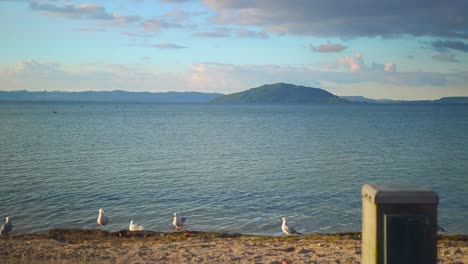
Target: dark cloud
{"type": "Point", "coordinates": [445, 57]}
{"type": "Point", "coordinates": [74, 11]}
{"type": "Point", "coordinates": [359, 18]}
{"type": "Point", "coordinates": [82, 11]}
{"type": "Point", "coordinates": [217, 33]}
{"type": "Point", "coordinates": [442, 45]}
{"type": "Point", "coordinates": [327, 48]}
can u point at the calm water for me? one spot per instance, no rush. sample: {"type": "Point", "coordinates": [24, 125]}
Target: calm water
{"type": "Point", "coordinates": [227, 168]}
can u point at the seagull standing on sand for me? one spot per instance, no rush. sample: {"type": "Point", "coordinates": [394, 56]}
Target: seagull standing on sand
{"type": "Point", "coordinates": [134, 227]}
{"type": "Point", "coordinates": [102, 220]}
{"type": "Point", "coordinates": [6, 227]}
{"type": "Point", "coordinates": [178, 221]}
{"type": "Point", "coordinates": [288, 230]}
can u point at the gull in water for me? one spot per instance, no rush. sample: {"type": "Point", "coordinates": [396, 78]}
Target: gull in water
{"type": "Point", "coordinates": [178, 221]}
{"type": "Point", "coordinates": [102, 220]}
{"type": "Point", "coordinates": [288, 230]}
{"type": "Point", "coordinates": [6, 227]}
{"type": "Point", "coordinates": [134, 227]}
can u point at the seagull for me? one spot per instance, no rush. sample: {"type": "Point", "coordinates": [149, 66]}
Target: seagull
{"type": "Point", "coordinates": [134, 227]}
{"type": "Point", "coordinates": [288, 230]}
{"type": "Point", "coordinates": [178, 221]}
{"type": "Point", "coordinates": [6, 227]}
{"type": "Point", "coordinates": [102, 220]}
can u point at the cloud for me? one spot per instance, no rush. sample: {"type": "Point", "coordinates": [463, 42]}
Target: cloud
{"type": "Point", "coordinates": [33, 68]}
{"type": "Point", "coordinates": [82, 11]}
{"type": "Point", "coordinates": [217, 33]}
{"type": "Point", "coordinates": [246, 33]}
{"type": "Point", "coordinates": [441, 45]}
{"type": "Point", "coordinates": [353, 63]}
{"type": "Point", "coordinates": [390, 67]}
{"type": "Point", "coordinates": [178, 15]}
{"type": "Point", "coordinates": [90, 29]}
{"type": "Point", "coordinates": [386, 67]}
{"type": "Point", "coordinates": [175, 1]}
{"type": "Point", "coordinates": [327, 48]}
{"type": "Point", "coordinates": [365, 18]}
{"type": "Point", "coordinates": [239, 77]}
{"type": "Point", "coordinates": [210, 77]}
{"type": "Point", "coordinates": [166, 45]}
{"type": "Point", "coordinates": [137, 35]}
{"type": "Point", "coordinates": [445, 57]}
{"type": "Point", "coordinates": [155, 25]}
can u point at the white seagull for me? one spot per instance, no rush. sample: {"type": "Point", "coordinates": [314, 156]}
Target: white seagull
{"type": "Point", "coordinates": [134, 227]}
{"type": "Point", "coordinates": [288, 230]}
{"type": "Point", "coordinates": [102, 220]}
{"type": "Point", "coordinates": [6, 227]}
{"type": "Point", "coordinates": [178, 221]}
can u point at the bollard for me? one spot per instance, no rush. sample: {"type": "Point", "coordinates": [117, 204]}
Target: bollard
{"type": "Point", "coordinates": [399, 224]}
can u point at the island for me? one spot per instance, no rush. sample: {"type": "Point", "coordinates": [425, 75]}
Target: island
{"type": "Point", "coordinates": [281, 93]}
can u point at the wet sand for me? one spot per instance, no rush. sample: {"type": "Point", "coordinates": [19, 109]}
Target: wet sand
{"type": "Point", "coordinates": [92, 246]}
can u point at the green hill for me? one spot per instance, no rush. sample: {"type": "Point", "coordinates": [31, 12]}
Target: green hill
{"type": "Point", "coordinates": [281, 93]}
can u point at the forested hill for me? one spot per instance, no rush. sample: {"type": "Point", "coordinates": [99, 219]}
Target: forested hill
{"type": "Point", "coordinates": [281, 93]}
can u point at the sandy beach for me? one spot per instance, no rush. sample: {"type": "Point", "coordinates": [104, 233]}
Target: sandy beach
{"type": "Point", "coordinates": [92, 246]}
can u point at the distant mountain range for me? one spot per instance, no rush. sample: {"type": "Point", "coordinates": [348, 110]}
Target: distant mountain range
{"type": "Point", "coordinates": [110, 96]}
{"type": "Point", "coordinates": [281, 93]}
{"type": "Point", "coordinates": [278, 93]}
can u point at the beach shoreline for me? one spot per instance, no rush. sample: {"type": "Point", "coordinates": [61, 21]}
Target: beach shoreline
{"type": "Point", "coordinates": [93, 245]}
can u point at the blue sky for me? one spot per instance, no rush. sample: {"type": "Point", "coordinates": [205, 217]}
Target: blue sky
{"type": "Point", "coordinates": [379, 49]}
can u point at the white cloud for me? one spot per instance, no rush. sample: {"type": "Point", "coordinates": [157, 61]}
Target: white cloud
{"type": "Point", "coordinates": [211, 77]}
{"type": "Point", "coordinates": [353, 63]}
{"type": "Point", "coordinates": [390, 67]}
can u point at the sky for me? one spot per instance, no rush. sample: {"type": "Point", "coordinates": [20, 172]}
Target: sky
{"type": "Point", "coordinates": [394, 49]}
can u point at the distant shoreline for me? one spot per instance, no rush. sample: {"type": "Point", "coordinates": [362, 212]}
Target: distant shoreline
{"type": "Point", "coordinates": [119, 96]}
{"type": "Point", "coordinates": [404, 103]}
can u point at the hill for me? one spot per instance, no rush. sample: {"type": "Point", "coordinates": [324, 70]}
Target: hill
{"type": "Point", "coordinates": [110, 96]}
{"type": "Point", "coordinates": [280, 93]}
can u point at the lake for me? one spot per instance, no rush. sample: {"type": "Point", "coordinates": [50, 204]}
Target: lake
{"type": "Point", "coordinates": [235, 169]}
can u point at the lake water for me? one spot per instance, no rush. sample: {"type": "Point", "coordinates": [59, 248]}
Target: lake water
{"type": "Point", "coordinates": [227, 168]}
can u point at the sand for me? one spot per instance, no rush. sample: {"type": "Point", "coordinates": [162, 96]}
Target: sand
{"type": "Point", "coordinates": [92, 246]}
